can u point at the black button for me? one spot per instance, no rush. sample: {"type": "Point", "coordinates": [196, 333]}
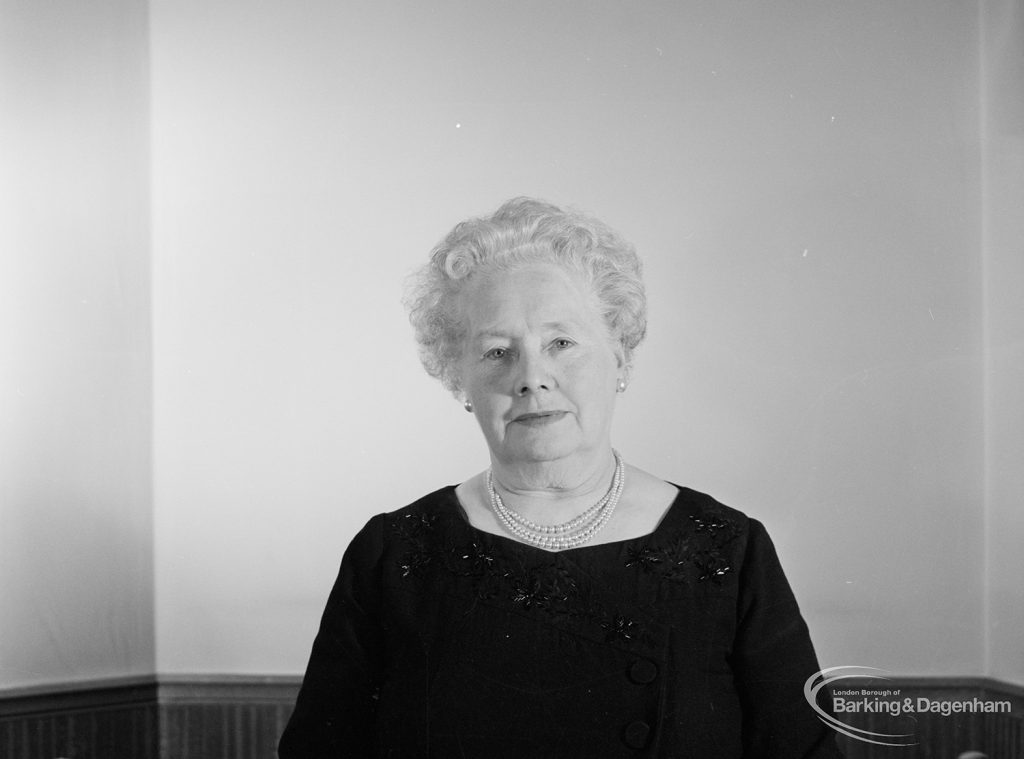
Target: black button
{"type": "Point", "coordinates": [636, 734]}
{"type": "Point", "coordinates": [643, 671]}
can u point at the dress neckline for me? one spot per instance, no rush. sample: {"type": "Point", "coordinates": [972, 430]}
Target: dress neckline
{"type": "Point", "coordinates": [671, 515]}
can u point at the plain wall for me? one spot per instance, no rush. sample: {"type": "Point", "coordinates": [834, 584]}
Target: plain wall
{"type": "Point", "coordinates": [76, 546]}
{"type": "Point", "coordinates": [803, 180]}
{"type": "Point", "coordinates": [207, 383]}
{"type": "Point", "coordinates": [1003, 245]}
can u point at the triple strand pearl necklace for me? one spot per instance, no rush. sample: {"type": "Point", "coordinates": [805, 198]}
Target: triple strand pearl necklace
{"type": "Point", "coordinates": [571, 534]}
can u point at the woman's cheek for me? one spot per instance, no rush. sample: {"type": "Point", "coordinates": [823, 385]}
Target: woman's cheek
{"type": "Point", "coordinates": [582, 364]}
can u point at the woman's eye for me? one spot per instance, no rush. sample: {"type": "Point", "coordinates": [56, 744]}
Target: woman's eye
{"type": "Point", "coordinates": [563, 342]}
{"type": "Point", "coordinates": [496, 353]}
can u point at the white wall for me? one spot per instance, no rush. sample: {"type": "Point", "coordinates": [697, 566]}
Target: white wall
{"type": "Point", "coordinates": [76, 548]}
{"type": "Point", "coordinates": [802, 178]}
{"type": "Point", "coordinates": [827, 196]}
{"type": "Point", "coordinates": [1003, 133]}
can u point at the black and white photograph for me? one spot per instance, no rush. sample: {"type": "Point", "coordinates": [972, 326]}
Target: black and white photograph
{"type": "Point", "coordinates": [511, 379]}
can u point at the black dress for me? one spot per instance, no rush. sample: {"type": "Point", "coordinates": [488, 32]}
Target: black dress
{"type": "Point", "coordinates": [440, 640]}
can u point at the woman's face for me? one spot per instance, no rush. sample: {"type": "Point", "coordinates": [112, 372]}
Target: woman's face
{"type": "Point", "coordinates": [538, 364]}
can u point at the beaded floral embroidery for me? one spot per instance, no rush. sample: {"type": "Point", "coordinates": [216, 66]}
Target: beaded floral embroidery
{"type": "Point", "coordinates": [701, 552]}
{"type": "Point", "coordinates": [548, 588]}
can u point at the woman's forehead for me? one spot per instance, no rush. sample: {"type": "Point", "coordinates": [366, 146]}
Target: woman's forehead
{"type": "Point", "coordinates": [544, 294]}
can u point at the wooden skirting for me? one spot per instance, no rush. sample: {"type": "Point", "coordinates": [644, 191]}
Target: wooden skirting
{"type": "Point", "coordinates": [173, 718]}
{"type": "Point", "coordinates": [238, 717]}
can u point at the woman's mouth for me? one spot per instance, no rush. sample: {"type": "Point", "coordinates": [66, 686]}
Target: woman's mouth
{"type": "Point", "coordinates": [539, 418]}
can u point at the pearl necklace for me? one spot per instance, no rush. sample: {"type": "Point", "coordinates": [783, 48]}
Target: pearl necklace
{"type": "Point", "coordinates": [571, 534]}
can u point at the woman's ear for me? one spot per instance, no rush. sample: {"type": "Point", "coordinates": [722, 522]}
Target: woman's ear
{"type": "Point", "coordinates": [622, 361]}
{"type": "Point", "coordinates": [624, 367]}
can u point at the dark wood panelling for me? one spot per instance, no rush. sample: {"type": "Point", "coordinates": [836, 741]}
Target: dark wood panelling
{"type": "Point", "coordinates": [120, 732]}
{"type": "Point", "coordinates": [111, 719]}
{"type": "Point", "coordinates": [242, 717]}
{"type": "Point", "coordinates": [227, 731]}
{"type": "Point", "coordinates": [997, 736]}
{"type": "Point", "coordinates": [182, 718]}
{"type": "Point", "coordinates": [228, 717]}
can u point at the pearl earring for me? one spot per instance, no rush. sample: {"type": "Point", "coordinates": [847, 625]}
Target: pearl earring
{"type": "Point", "coordinates": [621, 387]}
{"type": "Point", "coordinates": [468, 405]}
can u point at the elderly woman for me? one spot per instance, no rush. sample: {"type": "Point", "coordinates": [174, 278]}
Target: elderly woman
{"type": "Point", "coordinates": [562, 603]}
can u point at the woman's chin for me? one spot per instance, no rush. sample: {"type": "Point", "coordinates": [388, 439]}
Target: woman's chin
{"type": "Point", "coordinates": [541, 449]}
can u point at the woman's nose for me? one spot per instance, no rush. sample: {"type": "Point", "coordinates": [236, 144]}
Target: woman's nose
{"type": "Point", "coordinates": [534, 373]}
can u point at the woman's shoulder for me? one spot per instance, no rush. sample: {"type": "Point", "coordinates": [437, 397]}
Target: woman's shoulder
{"type": "Point", "coordinates": [700, 539]}
{"type": "Point", "coordinates": [417, 518]}
{"type": "Point", "coordinates": [435, 514]}
{"type": "Point", "coordinates": [705, 510]}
